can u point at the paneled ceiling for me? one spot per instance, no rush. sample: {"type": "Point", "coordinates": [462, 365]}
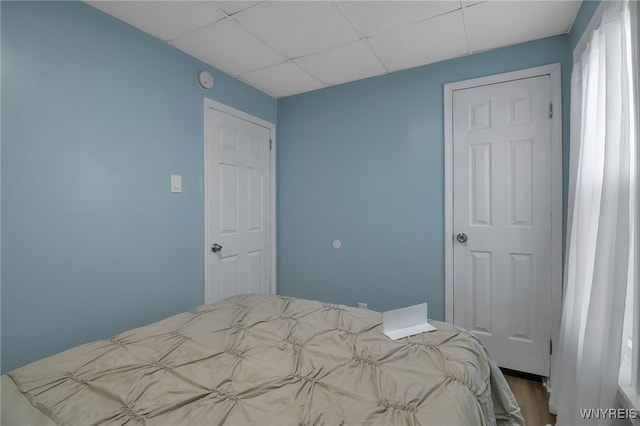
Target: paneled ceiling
{"type": "Point", "coordinates": [289, 47]}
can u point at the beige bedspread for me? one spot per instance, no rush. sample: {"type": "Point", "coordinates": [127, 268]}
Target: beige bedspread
{"type": "Point", "coordinates": [269, 360]}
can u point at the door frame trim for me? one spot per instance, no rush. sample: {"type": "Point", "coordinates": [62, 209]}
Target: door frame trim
{"type": "Point", "coordinates": [554, 71]}
{"type": "Point", "coordinates": [211, 104]}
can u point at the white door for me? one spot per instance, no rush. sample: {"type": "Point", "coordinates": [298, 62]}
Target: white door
{"type": "Point", "coordinates": [502, 219]}
{"type": "Point", "coordinates": [237, 210]}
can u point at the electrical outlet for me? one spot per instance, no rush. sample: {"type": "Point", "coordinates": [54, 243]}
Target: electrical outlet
{"type": "Point", "coordinates": [362, 305]}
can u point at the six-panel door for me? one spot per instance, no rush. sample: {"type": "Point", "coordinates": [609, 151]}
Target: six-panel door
{"type": "Point", "coordinates": [502, 202]}
{"type": "Point", "coordinates": [238, 167]}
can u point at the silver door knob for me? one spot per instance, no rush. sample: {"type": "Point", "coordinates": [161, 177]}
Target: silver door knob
{"type": "Point", "coordinates": [216, 247]}
{"type": "Point", "coordinates": [461, 237]}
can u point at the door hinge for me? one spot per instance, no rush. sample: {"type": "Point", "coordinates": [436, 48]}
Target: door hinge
{"type": "Point", "coordinates": [550, 110]}
{"type": "Point", "coordinates": [550, 347]}
{"type": "Point", "coordinates": [270, 144]}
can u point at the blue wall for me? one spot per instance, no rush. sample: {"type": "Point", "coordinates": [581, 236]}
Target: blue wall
{"type": "Point", "coordinates": [587, 9]}
{"type": "Point", "coordinates": [363, 163]}
{"type": "Point", "coordinates": [95, 117]}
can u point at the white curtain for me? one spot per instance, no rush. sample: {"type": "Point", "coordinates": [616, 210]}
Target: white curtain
{"type": "Point", "coordinates": [600, 221]}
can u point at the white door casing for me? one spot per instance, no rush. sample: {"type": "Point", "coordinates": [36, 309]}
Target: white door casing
{"type": "Point", "coordinates": [238, 202]}
{"type": "Point", "coordinates": [500, 193]}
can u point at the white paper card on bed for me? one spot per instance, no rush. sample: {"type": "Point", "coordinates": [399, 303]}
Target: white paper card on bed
{"type": "Point", "coordinates": [403, 322]}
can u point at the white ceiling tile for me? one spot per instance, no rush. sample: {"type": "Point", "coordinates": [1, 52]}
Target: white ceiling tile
{"type": "Point", "coordinates": [500, 23]}
{"type": "Point", "coordinates": [351, 62]}
{"type": "Point", "coordinates": [282, 80]}
{"type": "Point", "coordinates": [426, 42]}
{"type": "Point", "coordinates": [228, 47]}
{"type": "Point", "coordinates": [163, 19]}
{"type": "Point", "coordinates": [231, 7]}
{"type": "Point", "coordinates": [373, 17]}
{"type": "Point", "coordinates": [298, 28]}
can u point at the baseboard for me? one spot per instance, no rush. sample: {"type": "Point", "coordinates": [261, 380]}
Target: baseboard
{"type": "Point", "coordinates": [522, 375]}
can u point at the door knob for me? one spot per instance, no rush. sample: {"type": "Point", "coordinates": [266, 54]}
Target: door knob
{"type": "Point", "coordinates": [461, 237]}
{"type": "Point", "coordinates": [216, 247]}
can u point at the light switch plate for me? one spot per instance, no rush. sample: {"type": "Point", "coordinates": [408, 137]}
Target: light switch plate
{"type": "Point", "coordinates": [176, 183]}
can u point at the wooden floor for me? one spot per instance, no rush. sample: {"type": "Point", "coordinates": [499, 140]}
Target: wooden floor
{"type": "Point", "coordinates": [533, 400]}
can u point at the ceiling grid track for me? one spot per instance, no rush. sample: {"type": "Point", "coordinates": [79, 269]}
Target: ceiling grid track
{"type": "Point", "coordinates": [285, 48]}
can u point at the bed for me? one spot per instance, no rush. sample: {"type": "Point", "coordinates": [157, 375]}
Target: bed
{"type": "Point", "coordinates": [265, 360]}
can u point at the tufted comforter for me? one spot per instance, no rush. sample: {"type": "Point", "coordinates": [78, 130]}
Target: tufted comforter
{"type": "Point", "coordinates": [270, 360]}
